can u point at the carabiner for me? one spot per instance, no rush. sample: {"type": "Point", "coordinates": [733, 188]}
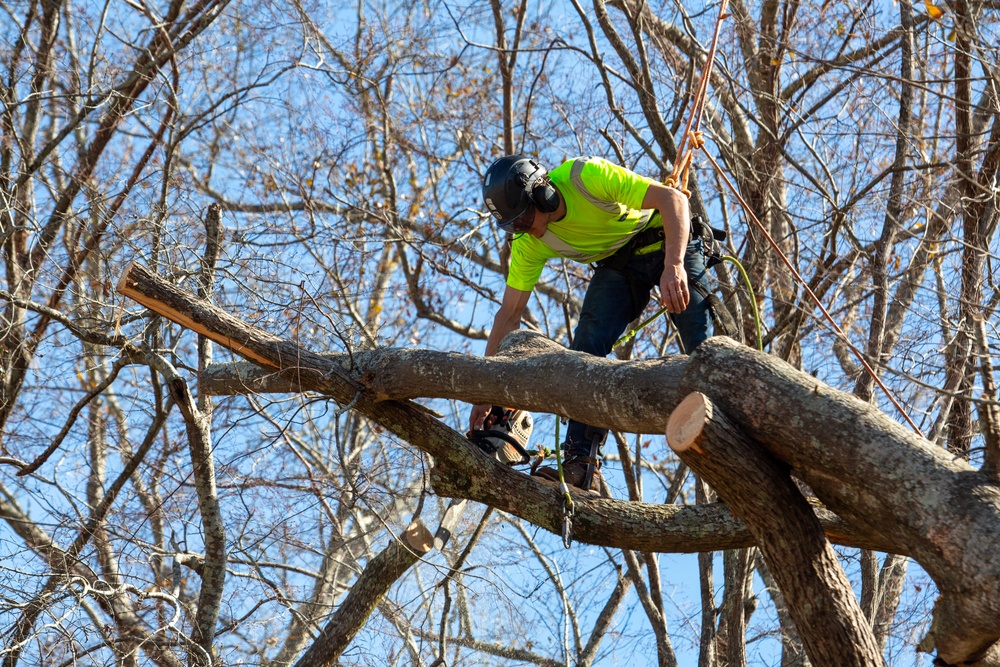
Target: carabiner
{"type": "Point", "coordinates": [567, 523]}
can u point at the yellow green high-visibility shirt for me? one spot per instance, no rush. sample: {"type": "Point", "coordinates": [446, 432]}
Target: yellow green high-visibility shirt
{"type": "Point", "coordinates": [603, 211]}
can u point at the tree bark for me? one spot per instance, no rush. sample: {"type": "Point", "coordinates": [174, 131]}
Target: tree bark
{"type": "Point", "coordinates": [538, 368]}
{"type": "Point", "coordinates": [735, 565]}
{"type": "Point", "coordinates": [897, 492]}
{"type": "Point", "coordinates": [819, 596]}
{"type": "Point", "coordinates": [877, 475]}
{"type": "Point", "coordinates": [213, 572]}
{"type": "Point", "coordinates": [709, 640]}
{"type": "Point", "coordinates": [529, 370]}
{"type": "Point", "coordinates": [367, 592]}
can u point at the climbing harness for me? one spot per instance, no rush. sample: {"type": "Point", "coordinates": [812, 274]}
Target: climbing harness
{"type": "Point", "coordinates": [722, 321]}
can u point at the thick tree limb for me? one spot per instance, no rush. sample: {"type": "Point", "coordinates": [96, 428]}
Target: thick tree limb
{"type": "Point", "coordinates": [661, 528]}
{"type": "Point", "coordinates": [878, 476]}
{"type": "Point", "coordinates": [905, 495]}
{"type": "Point", "coordinates": [760, 490]}
{"type": "Point", "coordinates": [529, 372]}
{"type": "Point", "coordinates": [213, 570]}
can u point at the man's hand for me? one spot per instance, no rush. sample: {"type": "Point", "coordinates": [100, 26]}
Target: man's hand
{"type": "Point", "coordinates": [478, 416]}
{"type": "Point", "coordinates": [674, 288]}
{"type": "Point", "coordinates": [507, 319]}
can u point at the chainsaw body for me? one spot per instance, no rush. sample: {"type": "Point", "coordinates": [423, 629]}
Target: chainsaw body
{"type": "Point", "coordinates": [505, 435]}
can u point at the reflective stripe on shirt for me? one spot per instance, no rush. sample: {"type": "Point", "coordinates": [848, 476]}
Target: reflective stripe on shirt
{"type": "Point", "coordinates": [569, 252]}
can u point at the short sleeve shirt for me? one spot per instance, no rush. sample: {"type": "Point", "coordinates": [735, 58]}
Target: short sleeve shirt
{"type": "Point", "coordinates": [603, 211]}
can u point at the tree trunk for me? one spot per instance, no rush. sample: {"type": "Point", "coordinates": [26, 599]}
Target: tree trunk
{"type": "Point", "coordinates": [819, 596]}
{"type": "Point", "coordinates": [877, 475]}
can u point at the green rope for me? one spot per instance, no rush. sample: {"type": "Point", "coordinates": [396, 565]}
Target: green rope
{"type": "Point", "coordinates": [629, 335]}
{"type": "Point", "coordinates": [559, 467]}
{"type": "Point", "coordinates": [753, 298]}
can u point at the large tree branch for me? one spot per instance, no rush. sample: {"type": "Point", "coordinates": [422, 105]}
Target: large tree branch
{"type": "Point", "coordinates": [213, 571]}
{"type": "Point", "coordinates": [760, 490]}
{"type": "Point", "coordinates": [366, 593]}
{"type": "Point", "coordinates": [536, 377]}
{"type": "Point", "coordinates": [869, 469]}
{"type": "Point", "coordinates": [878, 476]}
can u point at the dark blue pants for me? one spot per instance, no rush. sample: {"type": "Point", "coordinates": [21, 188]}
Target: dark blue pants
{"type": "Point", "coordinates": [615, 298]}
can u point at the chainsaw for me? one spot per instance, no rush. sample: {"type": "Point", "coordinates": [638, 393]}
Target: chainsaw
{"type": "Point", "coordinates": [505, 435]}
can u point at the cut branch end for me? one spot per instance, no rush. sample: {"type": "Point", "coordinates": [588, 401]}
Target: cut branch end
{"type": "Point", "coordinates": [687, 422]}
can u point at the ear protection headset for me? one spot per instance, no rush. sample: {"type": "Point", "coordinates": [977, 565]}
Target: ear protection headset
{"type": "Point", "coordinates": [543, 195]}
{"type": "Point", "coordinates": [514, 184]}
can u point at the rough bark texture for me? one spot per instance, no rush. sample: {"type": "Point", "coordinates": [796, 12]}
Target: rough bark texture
{"type": "Point", "coordinates": [733, 625]}
{"type": "Point", "coordinates": [897, 492]}
{"type": "Point", "coordinates": [877, 475]}
{"type": "Point", "coordinates": [530, 371]}
{"type": "Point", "coordinates": [657, 528]}
{"type": "Point", "coordinates": [527, 364]}
{"type": "Point", "coordinates": [754, 485]}
{"type": "Point", "coordinates": [213, 570]}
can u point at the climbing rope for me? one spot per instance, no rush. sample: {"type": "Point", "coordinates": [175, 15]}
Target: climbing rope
{"type": "Point", "coordinates": [630, 334]}
{"type": "Point", "coordinates": [692, 130]}
{"type": "Point", "coordinates": [815, 299]}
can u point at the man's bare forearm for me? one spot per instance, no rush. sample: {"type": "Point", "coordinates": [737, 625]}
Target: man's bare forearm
{"type": "Point", "coordinates": [502, 325]}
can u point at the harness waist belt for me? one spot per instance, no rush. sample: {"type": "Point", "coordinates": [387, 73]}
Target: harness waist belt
{"type": "Point", "coordinates": [647, 237]}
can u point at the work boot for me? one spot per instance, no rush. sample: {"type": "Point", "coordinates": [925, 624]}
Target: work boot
{"type": "Point", "coordinates": [574, 470]}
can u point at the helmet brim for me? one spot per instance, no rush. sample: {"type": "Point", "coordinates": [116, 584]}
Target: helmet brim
{"type": "Point", "coordinates": [508, 225]}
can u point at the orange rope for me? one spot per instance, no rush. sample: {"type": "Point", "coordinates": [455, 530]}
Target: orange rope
{"type": "Point", "coordinates": [692, 131]}
{"type": "Point", "coordinates": [679, 179]}
{"type": "Point", "coordinates": [812, 295]}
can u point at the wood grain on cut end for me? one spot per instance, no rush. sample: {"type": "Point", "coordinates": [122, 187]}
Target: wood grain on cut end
{"type": "Point", "coordinates": [418, 537]}
{"type": "Point", "coordinates": [684, 428]}
{"type": "Point", "coordinates": [124, 280]}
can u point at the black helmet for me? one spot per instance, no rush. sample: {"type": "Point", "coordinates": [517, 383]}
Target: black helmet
{"type": "Point", "coordinates": [512, 184]}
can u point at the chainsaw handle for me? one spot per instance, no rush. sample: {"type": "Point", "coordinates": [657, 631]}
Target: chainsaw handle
{"type": "Point", "coordinates": [503, 435]}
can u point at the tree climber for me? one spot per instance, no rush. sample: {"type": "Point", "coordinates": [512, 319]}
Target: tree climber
{"type": "Point", "coordinates": [637, 233]}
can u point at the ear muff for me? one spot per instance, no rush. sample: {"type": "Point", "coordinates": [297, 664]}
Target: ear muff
{"type": "Point", "coordinates": [545, 197]}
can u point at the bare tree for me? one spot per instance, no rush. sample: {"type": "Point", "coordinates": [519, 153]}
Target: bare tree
{"type": "Point", "coordinates": [147, 523]}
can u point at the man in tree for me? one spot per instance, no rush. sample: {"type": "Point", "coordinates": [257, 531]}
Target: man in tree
{"type": "Point", "coordinates": [634, 229]}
